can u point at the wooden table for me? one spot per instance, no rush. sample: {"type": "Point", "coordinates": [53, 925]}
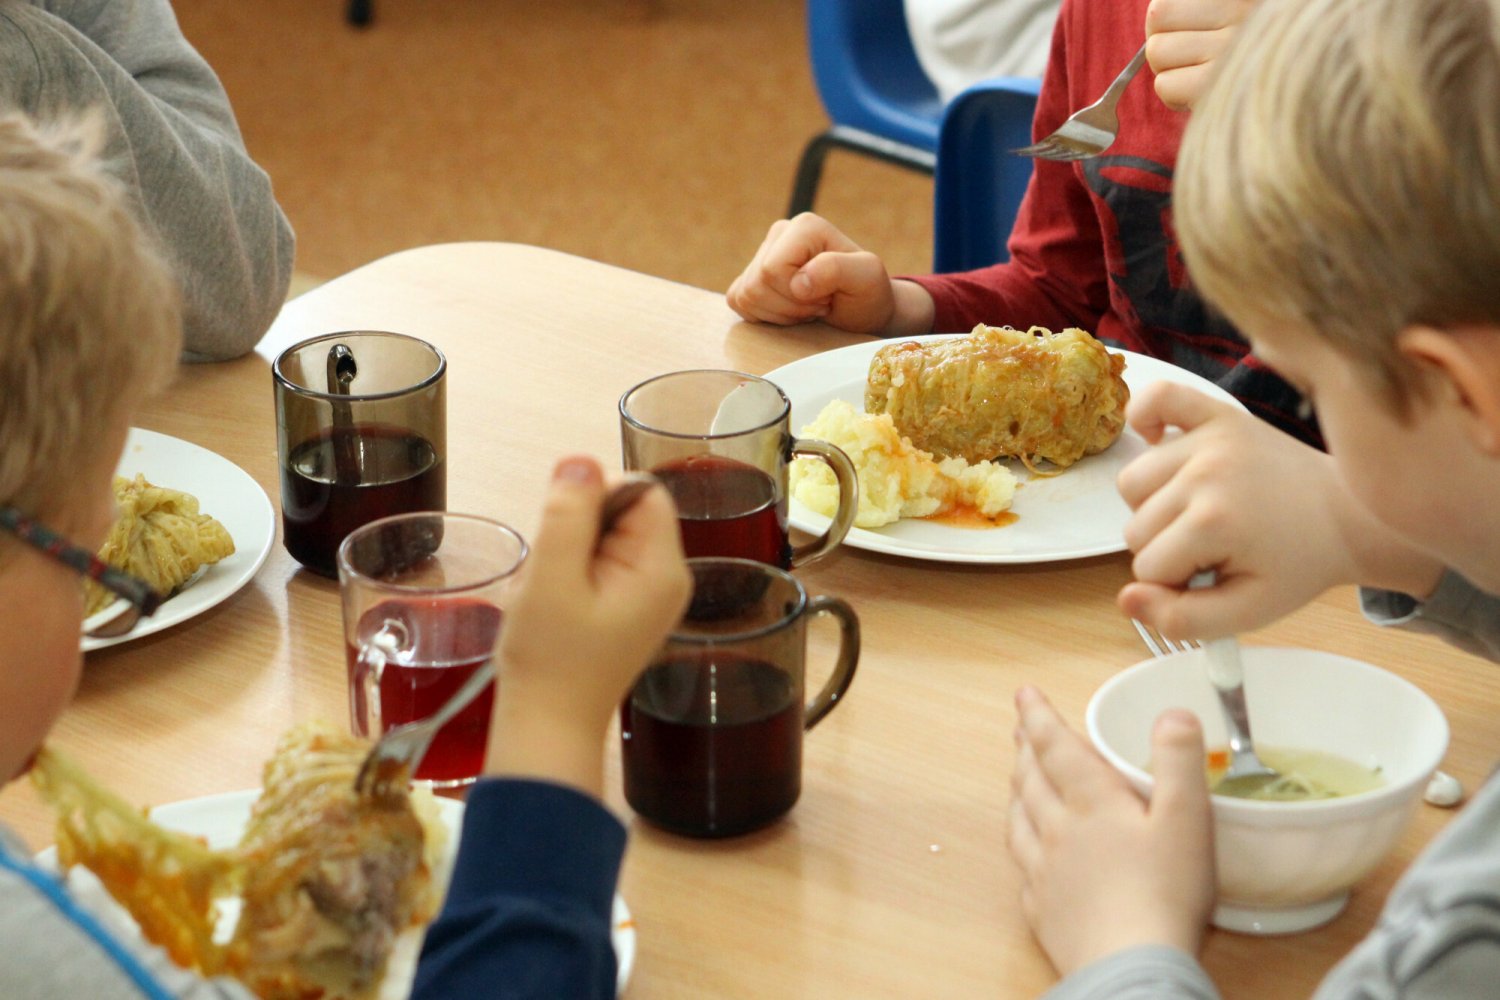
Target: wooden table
{"type": "Point", "coordinates": [890, 878]}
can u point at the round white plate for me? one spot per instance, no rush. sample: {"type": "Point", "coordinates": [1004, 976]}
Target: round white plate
{"type": "Point", "coordinates": [224, 491]}
{"type": "Point", "coordinates": [1069, 516]}
{"type": "Point", "coordinates": [220, 820]}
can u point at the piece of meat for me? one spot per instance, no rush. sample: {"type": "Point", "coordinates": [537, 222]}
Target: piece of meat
{"type": "Point", "coordinates": [331, 876]}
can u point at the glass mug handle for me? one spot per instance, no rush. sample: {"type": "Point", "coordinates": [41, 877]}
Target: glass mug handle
{"type": "Point", "coordinates": [843, 669]}
{"type": "Point", "coordinates": [843, 517]}
{"type": "Point", "coordinates": [369, 665]}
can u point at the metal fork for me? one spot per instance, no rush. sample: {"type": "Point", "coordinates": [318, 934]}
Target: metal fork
{"type": "Point", "coordinates": [1443, 790]}
{"type": "Point", "coordinates": [1246, 771]}
{"type": "Point", "coordinates": [395, 756]}
{"type": "Point", "coordinates": [1088, 131]}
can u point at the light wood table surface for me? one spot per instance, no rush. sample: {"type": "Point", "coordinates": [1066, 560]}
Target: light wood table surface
{"type": "Point", "coordinates": [890, 878]}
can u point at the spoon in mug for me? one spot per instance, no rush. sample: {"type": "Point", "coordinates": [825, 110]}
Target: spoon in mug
{"type": "Point", "coordinates": [1247, 772]}
{"type": "Point", "coordinates": [399, 751]}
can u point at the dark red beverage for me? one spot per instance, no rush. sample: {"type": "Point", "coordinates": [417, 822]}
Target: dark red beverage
{"type": "Point", "coordinates": [712, 744]}
{"type": "Point", "coordinates": [727, 508]}
{"type": "Point", "coordinates": [448, 639]}
{"type": "Point", "coordinates": [349, 476]}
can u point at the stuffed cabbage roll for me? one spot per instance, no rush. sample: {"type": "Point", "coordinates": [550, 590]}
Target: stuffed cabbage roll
{"type": "Point", "coordinates": [1003, 393]}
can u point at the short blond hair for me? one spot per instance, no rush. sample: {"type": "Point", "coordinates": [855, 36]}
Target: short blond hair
{"type": "Point", "coordinates": [89, 313]}
{"type": "Point", "coordinates": [1342, 175]}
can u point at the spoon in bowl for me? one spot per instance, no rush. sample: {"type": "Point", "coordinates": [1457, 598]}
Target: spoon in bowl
{"type": "Point", "coordinates": [1247, 772]}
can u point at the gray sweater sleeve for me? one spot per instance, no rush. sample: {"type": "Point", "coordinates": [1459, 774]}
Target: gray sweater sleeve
{"type": "Point", "coordinates": [1148, 972]}
{"type": "Point", "coordinates": [173, 140]}
{"type": "Point", "coordinates": [80, 943]}
{"type": "Point", "coordinates": [1439, 934]}
{"type": "Point", "coordinates": [1457, 612]}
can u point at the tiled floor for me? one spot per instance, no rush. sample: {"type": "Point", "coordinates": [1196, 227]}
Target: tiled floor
{"type": "Point", "coordinates": [663, 142]}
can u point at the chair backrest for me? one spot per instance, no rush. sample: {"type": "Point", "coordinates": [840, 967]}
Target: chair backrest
{"type": "Point", "coordinates": [979, 181]}
{"type": "Point", "coordinates": [867, 72]}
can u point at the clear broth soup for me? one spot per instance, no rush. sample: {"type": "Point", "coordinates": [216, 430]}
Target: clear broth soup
{"type": "Point", "coordinates": [1306, 775]}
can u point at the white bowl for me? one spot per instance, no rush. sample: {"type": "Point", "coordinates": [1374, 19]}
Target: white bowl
{"type": "Point", "coordinates": [1287, 866]}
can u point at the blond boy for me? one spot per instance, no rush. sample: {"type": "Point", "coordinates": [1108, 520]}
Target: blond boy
{"type": "Point", "coordinates": [1338, 197]}
{"type": "Point", "coordinates": [88, 326]}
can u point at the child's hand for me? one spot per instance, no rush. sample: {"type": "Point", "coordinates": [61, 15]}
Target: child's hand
{"type": "Point", "coordinates": [1270, 514]}
{"type": "Point", "coordinates": [1183, 38]}
{"type": "Point", "coordinates": [587, 615]}
{"type": "Point", "coordinates": [1102, 870]}
{"type": "Point", "coordinates": [807, 270]}
{"type": "Point", "coordinates": [1230, 493]}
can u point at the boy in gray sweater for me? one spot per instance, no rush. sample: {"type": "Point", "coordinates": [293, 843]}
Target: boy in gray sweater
{"type": "Point", "coordinates": [1336, 198]}
{"type": "Point", "coordinates": [172, 139]}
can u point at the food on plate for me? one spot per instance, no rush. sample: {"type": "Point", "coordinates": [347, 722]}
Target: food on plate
{"type": "Point", "coordinates": [160, 536]}
{"type": "Point", "coordinates": [327, 879]}
{"type": "Point", "coordinates": [1003, 393]}
{"type": "Point", "coordinates": [1305, 775]}
{"type": "Point", "coordinates": [896, 479]}
{"type": "Point", "coordinates": [331, 877]}
{"type": "Point", "coordinates": [168, 881]}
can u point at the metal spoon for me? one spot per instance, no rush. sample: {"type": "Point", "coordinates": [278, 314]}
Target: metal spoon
{"type": "Point", "coordinates": [1247, 772]}
{"type": "Point", "coordinates": [622, 496]}
{"type": "Point", "coordinates": [342, 370]}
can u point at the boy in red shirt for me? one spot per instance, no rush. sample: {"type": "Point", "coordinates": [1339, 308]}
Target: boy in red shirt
{"type": "Point", "coordinates": [1093, 245]}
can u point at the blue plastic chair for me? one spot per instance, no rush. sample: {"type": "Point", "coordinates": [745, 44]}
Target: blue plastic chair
{"type": "Point", "coordinates": [979, 180]}
{"type": "Point", "coordinates": [880, 101]}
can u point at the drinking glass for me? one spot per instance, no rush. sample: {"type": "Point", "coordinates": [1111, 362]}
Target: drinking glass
{"type": "Point", "coordinates": [360, 433]}
{"type": "Point", "coordinates": [720, 441]}
{"type": "Point", "coordinates": [711, 732]}
{"type": "Point", "coordinates": [423, 596]}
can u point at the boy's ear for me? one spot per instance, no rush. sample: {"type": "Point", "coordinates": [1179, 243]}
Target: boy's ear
{"type": "Point", "coordinates": [1467, 360]}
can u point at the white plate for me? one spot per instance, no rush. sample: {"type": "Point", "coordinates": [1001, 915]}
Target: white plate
{"type": "Point", "coordinates": [224, 491]}
{"type": "Point", "coordinates": [1069, 516]}
{"type": "Point", "coordinates": [220, 820]}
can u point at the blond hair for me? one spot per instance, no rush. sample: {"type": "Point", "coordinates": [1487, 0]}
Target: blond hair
{"type": "Point", "coordinates": [1342, 175]}
{"type": "Point", "coordinates": [89, 315]}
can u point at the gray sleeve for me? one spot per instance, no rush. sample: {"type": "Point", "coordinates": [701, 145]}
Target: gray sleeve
{"type": "Point", "coordinates": [1149, 972]}
{"type": "Point", "coordinates": [174, 141]}
{"type": "Point", "coordinates": [1438, 937]}
{"type": "Point", "coordinates": [1457, 612]}
{"type": "Point", "coordinates": [82, 945]}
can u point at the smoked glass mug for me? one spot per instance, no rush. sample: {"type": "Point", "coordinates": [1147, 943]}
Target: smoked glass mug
{"type": "Point", "coordinates": [423, 597]}
{"type": "Point", "coordinates": [711, 732]}
{"type": "Point", "coordinates": [720, 441]}
{"type": "Point", "coordinates": [361, 433]}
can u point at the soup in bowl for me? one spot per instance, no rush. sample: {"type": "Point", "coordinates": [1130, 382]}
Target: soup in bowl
{"type": "Point", "coordinates": [1287, 866]}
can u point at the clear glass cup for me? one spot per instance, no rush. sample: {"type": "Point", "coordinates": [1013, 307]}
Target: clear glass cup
{"type": "Point", "coordinates": [423, 596]}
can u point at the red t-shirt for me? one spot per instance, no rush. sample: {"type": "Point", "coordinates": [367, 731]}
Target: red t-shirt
{"type": "Point", "coordinates": [1093, 245]}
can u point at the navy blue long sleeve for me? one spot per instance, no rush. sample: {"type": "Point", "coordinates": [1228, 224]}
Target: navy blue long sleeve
{"type": "Point", "coordinates": [528, 913]}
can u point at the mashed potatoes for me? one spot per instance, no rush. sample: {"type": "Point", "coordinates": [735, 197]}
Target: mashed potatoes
{"type": "Point", "coordinates": [896, 480]}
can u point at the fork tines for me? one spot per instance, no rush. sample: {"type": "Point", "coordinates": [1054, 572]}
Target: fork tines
{"type": "Point", "coordinates": [1159, 644]}
{"type": "Point", "coordinates": [1075, 141]}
